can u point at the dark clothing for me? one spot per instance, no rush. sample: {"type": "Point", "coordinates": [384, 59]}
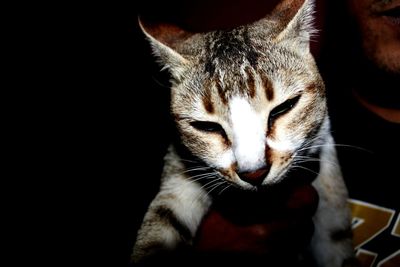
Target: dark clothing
{"type": "Point", "coordinates": [368, 148]}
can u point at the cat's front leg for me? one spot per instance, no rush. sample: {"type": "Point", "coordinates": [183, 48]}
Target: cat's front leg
{"type": "Point", "coordinates": [172, 218]}
{"type": "Point", "coordinates": [332, 240]}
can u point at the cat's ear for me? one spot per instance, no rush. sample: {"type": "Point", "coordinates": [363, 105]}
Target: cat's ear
{"type": "Point", "coordinates": [296, 22]}
{"type": "Point", "coordinates": [164, 39]}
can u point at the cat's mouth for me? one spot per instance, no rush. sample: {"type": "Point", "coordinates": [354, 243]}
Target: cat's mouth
{"type": "Point", "coordinates": [286, 181]}
{"type": "Point", "coordinates": [298, 174]}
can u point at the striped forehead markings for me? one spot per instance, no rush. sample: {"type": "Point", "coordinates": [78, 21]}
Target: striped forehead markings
{"type": "Point", "coordinates": [221, 92]}
{"type": "Point", "coordinates": [251, 84]}
{"type": "Point", "coordinates": [248, 86]}
{"type": "Point", "coordinates": [207, 102]}
{"type": "Point", "coordinates": [269, 90]}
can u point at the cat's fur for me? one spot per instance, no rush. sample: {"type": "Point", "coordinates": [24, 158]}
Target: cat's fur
{"type": "Point", "coordinates": [241, 79]}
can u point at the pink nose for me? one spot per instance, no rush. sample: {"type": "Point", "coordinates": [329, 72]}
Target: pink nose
{"type": "Point", "coordinates": [254, 177]}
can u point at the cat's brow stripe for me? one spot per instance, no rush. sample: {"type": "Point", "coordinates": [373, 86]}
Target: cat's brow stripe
{"type": "Point", "coordinates": [221, 93]}
{"type": "Point", "coordinates": [250, 83]}
{"type": "Point", "coordinates": [207, 102]}
{"type": "Point", "coordinates": [269, 90]}
{"type": "Point", "coordinates": [312, 87]}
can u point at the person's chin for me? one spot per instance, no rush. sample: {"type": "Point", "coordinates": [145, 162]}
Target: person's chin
{"type": "Point", "coordinates": [387, 60]}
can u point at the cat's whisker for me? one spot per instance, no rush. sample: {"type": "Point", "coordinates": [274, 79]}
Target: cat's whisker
{"type": "Point", "coordinates": [311, 143]}
{"type": "Point", "coordinates": [190, 161]}
{"type": "Point", "coordinates": [207, 185]}
{"type": "Point", "coordinates": [332, 145]}
{"type": "Point", "coordinates": [211, 176]}
{"type": "Point", "coordinates": [198, 168]}
{"type": "Point", "coordinates": [203, 192]}
{"type": "Point", "coordinates": [304, 160]}
{"type": "Point", "coordinates": [309, 147]}
{"type": "Point", "coordinates": [205, 176]}
{"type": "Point", "coordinates": [304, 168]}
{"type": "Point", "coordinates": [301, 159]}
{"type": "Point", "coordinates": [194, 179]}
{"type": "Point", "coordinates": [297, 158]}
{"type": "Point", "coordinates": [352, 146]}
{"type": "Point", "coordinates": [196, 198]}
{"type": "Point", "coordinates": [226, 187]}
{"type": "Point", "coordinates": [201, 176]}
{"type": "Point", "coordinates": [216, 186]}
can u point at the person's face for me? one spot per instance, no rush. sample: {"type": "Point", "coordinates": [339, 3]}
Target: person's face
{"type": "Point", "coordinates": [379, 25]}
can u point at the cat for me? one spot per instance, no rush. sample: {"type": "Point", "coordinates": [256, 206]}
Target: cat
{"type": "Point", "coordinates": [249, 106]}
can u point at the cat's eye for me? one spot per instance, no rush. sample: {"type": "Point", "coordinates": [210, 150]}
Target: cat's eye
{"type": "Point", "coordinates": [283, 108]}
{"type": "Point", "coordinates": [208, 126]}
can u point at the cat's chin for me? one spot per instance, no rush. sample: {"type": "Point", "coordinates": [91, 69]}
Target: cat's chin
{"type": "Point", "coordinates": [234, 182]}
{"type": "Point", "coordinates": [246, 187]}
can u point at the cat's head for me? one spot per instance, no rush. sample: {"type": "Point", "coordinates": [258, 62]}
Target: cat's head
{"type": "Point", "coordinates": [246, 101]}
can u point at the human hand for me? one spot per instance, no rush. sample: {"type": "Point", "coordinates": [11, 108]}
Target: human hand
{"type": "Point", "coordinates": [283, 224]}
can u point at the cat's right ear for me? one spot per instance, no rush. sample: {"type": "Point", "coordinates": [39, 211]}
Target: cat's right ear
{"type": "Point", "coordinates": [164, 39]}
{"type": "Point", "coordinates": [296, 22]}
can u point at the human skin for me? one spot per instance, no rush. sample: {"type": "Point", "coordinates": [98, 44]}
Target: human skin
{"type": "Point", "coordinates": [220, 234]}
{"type": "Point", "coordinates": [379, 24]}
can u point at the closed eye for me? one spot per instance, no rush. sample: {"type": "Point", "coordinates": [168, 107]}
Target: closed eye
{"type": "Point", "coordinates": [282, 109]}
{"type": "Point", "coordinates": [208, 126]}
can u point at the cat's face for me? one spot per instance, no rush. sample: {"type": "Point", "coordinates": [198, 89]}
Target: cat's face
{"type": "Point", "coordinates": [247, 102]}
{"type": "Point", "coordinates": [250, 121]}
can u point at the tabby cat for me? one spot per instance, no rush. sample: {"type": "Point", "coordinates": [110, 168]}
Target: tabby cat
{"type": "Point", "coordinates": [249, 106]}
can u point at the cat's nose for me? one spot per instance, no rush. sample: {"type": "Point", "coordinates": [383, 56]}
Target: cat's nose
{"type": "Point", "coordinates": [254, 177]}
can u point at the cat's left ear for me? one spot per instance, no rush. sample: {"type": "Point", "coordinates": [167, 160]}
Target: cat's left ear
{"type": "Point", "coordinates": [164, 39]}
{"type": "Point", "coordinates": [296, 21]}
